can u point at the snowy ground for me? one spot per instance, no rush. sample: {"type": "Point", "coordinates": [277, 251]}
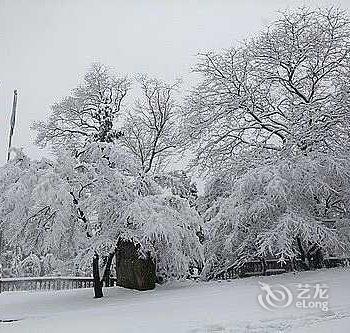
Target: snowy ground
{"type": "Point", "coordinates": [194, 307]}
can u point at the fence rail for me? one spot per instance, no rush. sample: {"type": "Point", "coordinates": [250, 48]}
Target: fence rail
{"type": "Point", "coordinates": [45, 283]}
{"type": "Point", "coordinates": [271, 267]}
{"type": "Point", "coordinates": [250, 268]}
{"type": "Point", "coordinates": [50, 283]}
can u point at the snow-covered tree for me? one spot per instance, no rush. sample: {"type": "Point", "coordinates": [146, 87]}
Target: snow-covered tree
{"type": "Point", "coordinates": [160, 224]}
{"type": "Point", "coordinates": [77, 209]}
{"type": "Point", "coordinates": [88, 114]}
{"type": "Point", "coordinates": [106, 170]}
{"type": "Point", "coordinates": [151, 128]}
{"type": "Point", "coordinates": [179, 183]}
{"type": "Point", "coordinates": [293, 208]}
{"type": "Point", "coordinates": [36, 215]}
{"type": "Point", "coordinates": [284, 90]}
{"type": "Point", "coordinates": [216, 189]}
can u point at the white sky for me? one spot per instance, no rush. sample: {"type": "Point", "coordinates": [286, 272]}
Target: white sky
{"type": "Point", "coordinates": [45, 46]}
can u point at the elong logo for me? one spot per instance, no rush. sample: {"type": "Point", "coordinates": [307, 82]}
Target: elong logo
{"type": "Point", "coordinates": [308, 296]}
{"type": "Point", "coordinates": [274, 297]}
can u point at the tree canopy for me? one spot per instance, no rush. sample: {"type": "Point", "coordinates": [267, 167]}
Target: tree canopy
{"type": "Point", "coordinates": [284, 91]}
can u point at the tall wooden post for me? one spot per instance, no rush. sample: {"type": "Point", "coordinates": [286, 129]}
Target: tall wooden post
{"type": "Point", "coordinates": [12, 123]}
{"type": "Point", "coordinates": [1, 257]}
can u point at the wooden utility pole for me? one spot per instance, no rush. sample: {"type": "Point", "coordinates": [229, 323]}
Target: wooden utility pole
{"type": "Point", "coordinates": [13, 122]}
{"type": "Point", "coordinates": [1, 257]}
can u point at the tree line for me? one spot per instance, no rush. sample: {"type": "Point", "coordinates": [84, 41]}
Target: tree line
{"type": "Point", "coordinates": [267, 127]}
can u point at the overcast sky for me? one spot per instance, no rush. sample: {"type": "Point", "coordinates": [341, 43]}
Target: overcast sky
{"type": "Point", "coordinates": [45, 46]}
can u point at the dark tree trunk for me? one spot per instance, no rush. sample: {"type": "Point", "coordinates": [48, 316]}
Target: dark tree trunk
{"type": "Point", "coordinates": [263, 265]}
{"type": "Point", "coordinates": [315, 256]}
{"type": "Point", "coordinates": [133, 271]}
{"type": "Point", "coordinates": [312, 258]}
{"type": "Point", "coordinates": [319, 258]}
{"type": "Point", "coordinates": [303, 256]}
{"type": "Point", "coordinates": [107, 272]}
{"type": "Point", "coordinates": [96, 275]}
{"type": "Point", "coordinates": [293, 264]}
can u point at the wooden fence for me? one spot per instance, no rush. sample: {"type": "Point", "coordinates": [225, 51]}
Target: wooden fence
{"type": "Point", "coordinates": [45, 283]}
{"type": "Point", "coordinates": [250, 268]}
{"type": "Point", "coordinates": [253, 268]}
{"type": "Point", "coordinates": [50, 283]}
{"type": "Point", "coordinates": [271, 267]}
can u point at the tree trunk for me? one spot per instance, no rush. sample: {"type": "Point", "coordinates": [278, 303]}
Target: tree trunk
{"type": "Point", "coordinates": [107, 272]}
{"type": "Point", "coordinates": [133, 271]}
{"type": "Point", "coordinates": [303, 256]}
{"type": "Point", "coordinates": [319, 258]}
{"type": "Point", "coordinates": [96, 275]}
{"type": "Point", "coordinates": [263, 265]}
{"type": "Point", "coordinates": [315, 256]}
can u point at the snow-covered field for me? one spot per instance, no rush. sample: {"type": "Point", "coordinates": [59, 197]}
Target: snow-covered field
{"type": "Point", "coordinates": [227, 306]}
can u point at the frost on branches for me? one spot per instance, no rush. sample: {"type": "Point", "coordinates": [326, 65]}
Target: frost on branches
{"type": "Point", "coordinates": [294, 208]}
{"type": "Point", "coordinates": [87, 114]}
{"type": "Point", "coordinates": [74, 209]}
{"type": "Point", "coordinates": [165, 226]}
{"type": "Point", "coordinates": [105, 171]}
{"type": "Point", "coordinates": [284, 90]}
{"type": "Point", "coordinates": [150, 132]}
{"type": "Point", "coordinates": [269, 121]}
{"type": "Point", "coordinates": [35, 215]}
